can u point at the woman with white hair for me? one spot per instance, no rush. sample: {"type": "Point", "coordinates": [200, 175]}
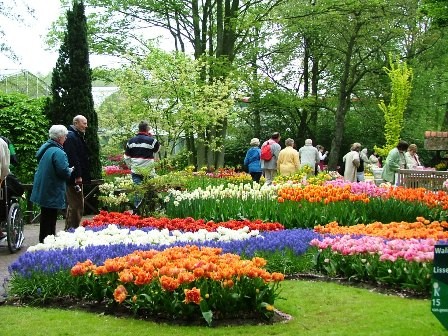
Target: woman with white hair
{"type": "Point", "coordinates": [411, 156]}
{"type": "Point", "coordinates": [352, 162]}
{"type": "Point", "coordinates": [309, 155]}
{"type": "Point", "coordinates": [252, 160]}
{"type": "Point", "coordinates": [288, 160]}
{"type": "Point", "coordinates": [50, 180]}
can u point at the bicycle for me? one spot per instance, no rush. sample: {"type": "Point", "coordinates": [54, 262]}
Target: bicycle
{"type": "Point", "coordinates": [11, 220]}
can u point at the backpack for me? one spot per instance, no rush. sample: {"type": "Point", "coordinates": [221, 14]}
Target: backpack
{"type": "Point", "coordinates": [266, 152]}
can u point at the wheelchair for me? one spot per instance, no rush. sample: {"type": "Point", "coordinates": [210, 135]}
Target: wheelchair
{"type": "Point", "coordinates": [11, 219]}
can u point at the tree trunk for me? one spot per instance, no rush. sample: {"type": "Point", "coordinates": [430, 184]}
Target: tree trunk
{"type": "Point", "coordinates": [189, 140]}
{"type": "Point", "coordinates": [200, 150]}
{"type": "Point", "coordinates": [221, 135]}
{"type": "Point", "coordinates": [445, 120]}
{"type": "Point", "coordinates": [343, 106]}
{"type": "Point", "coordinates": [211, 135]}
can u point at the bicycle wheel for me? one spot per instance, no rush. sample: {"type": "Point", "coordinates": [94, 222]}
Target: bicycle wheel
{"type": "Point", "coordinates": [14, 228]}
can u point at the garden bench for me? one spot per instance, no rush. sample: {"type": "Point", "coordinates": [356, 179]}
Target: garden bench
{"type": "Point", "coordinates": [428, 179]}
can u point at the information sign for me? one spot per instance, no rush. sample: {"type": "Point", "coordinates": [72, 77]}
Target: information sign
{"type": "Point", "coordinates": [439, 298]}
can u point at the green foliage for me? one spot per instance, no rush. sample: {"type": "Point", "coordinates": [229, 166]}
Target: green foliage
{"type": "Point", "coordinates": [401, 78]}
{"type": "Point", "coordinates": [437, 10]}
{"type": "Point", "coordinates": [176, 162]}
{"type": "Point", "coordinates": [23, 121]}
{"type": "Point", "coordinates": [236, 149]}
{"type": "Point", "coordinates": [376, 28]}
{"type": "Point", "coordinates": [288, 262]}
{"type": "Point", "coordinates": [116, 125]}
{"type": "Point", "coordinates": [167, 90]}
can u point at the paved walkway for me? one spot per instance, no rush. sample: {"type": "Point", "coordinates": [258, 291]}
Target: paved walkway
{"type": "Point", "coordinates": [31, 232]}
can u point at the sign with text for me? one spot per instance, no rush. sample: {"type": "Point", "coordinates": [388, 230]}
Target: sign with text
{"type": "Point", "coordinates": [439, 298]}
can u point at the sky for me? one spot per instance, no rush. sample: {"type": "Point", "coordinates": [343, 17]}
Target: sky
{"type": "Point", "coordinates": [28, 39]}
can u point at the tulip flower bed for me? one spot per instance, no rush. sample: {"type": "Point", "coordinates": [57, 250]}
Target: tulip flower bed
{"type": "Point", "coordinates": [229, 174]}
{"type": "Point", "coordinates": [183, 224]}
{"type": "Point", "coordinates": [401, 263]}
{"type": "Point", "coordinates": [398, 254]}
{"type": "Point", "coordinates": [181, 281]}
{"type": "Point", "coordinates": [82, 265]}
{"type": "Point", "coordinates": [420, 229]}
{"type": "Point", "coordinates": [115, 192]}
{"type": "Point", "coordinates": [295, 205]}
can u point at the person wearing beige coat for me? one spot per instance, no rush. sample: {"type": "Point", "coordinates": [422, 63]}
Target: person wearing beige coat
{"type": "Point", "coordinates": [288, 159]}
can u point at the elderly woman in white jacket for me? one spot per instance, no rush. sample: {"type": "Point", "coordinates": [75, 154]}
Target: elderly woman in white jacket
{"type": "Point", "coordinates": [412, 159]}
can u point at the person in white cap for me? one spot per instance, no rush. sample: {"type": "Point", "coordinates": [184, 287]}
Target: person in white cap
{"type": "Point", "coordinates": [352, 162]}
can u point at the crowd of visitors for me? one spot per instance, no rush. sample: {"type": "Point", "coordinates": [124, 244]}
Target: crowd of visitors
{"type": "Point", "coordinates": [289, 160]}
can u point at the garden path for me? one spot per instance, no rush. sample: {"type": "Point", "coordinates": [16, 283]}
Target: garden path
{"type": "Point", "coordinates": [31, 232]}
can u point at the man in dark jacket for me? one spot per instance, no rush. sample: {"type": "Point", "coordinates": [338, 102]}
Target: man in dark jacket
{"type": "Point", "coordinates": [140, 154]}
{"type": "Point", "coordinates": [77, 152]}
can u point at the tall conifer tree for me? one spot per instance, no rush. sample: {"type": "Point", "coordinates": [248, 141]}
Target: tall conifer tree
{"type": "Point", "coordinates": [60, 88]}
{"type": "Point", "coordinates": [72, 83]}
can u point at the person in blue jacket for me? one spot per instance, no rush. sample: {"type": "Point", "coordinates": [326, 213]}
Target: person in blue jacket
{"type": "Point", "coordinates": [252, 160]}
{"type": "Point", "coordinates": [50, 180]}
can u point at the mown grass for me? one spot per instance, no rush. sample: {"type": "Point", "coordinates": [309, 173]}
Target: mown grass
{"type": "Point", "coordinates": [317, 308]}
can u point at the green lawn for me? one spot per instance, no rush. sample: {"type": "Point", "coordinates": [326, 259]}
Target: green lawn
{"type": "Point", "coordinates": [317, 308]}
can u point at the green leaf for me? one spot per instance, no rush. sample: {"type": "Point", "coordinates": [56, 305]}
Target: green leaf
{"type": "Point", "coordinates": [206, 312]}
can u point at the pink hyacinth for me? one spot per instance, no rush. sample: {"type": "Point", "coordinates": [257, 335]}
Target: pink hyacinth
{"type": "Point", "coordinates": [418, 250]}
{"type": "Point", "coordinates": [367, 188]}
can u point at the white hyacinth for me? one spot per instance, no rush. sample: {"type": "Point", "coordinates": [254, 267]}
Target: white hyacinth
{"type": "Point", "coordinates": [243, 191]}
{"type": "Point", "coordinates": [113, 234]}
